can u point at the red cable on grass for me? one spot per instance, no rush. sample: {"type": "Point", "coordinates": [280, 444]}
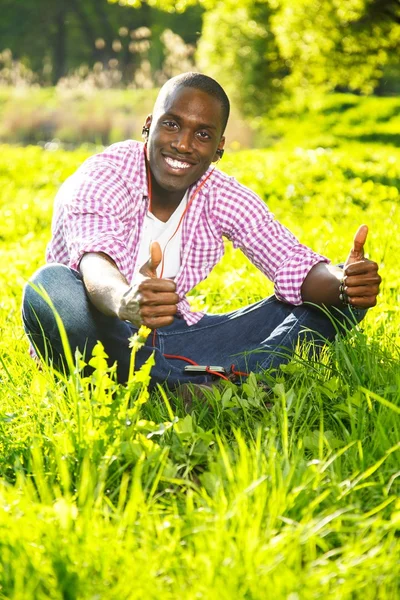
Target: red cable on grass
{"type": "Point", "coordinates": [239, 373]}
{"type": "Point", "coordinates": [189, 360]}
{"type": "Point", "coordinates": [208, 370]}
{"type": "Point", "coordinates": [195, 364]}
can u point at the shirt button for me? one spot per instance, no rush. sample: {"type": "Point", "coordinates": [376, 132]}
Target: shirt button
{"type": "Point", "coordinates": [205, 264]}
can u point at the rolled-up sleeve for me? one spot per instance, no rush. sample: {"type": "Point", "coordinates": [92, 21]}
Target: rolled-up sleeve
{"type": "Point", "coordinates": [270, 246]}
{"type": "Point", "coordinates": [94, 220]}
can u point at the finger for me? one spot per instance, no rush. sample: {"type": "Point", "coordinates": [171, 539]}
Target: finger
{"type": "Point", "coordinates": [363, 301]}
{"type": "Point", "coordinates": [155, 255]}
{"type": "Point", "coordinates": [148, 312]}
{"type": "Point", "coordinates": [359, 280]}
{"type": "Point", "coordinates": [362, 291]}
{"type": "Point", "coordinates": [357, 250]}
{"type": "Point", "coordinates": [359, 240]}
{"type": "Point", "coordinates": [362, 266]}
{"type": "Point", "coordinates": [157, 322]}
{"type": "Point", "coordinates": [143, 314]}
{"type": "Point", "coordinates": [159, 299]}
{"type": "Point", "coordinates": [157, 285]}
{"type": "Point", "coordinates": [150, 267]}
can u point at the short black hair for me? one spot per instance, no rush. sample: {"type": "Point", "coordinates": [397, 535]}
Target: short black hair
{"type": "Point", "coordinates": [202, 82]}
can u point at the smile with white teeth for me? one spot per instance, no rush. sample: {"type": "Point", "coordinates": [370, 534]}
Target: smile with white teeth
{"type": "Point", "coordinates": [176, 164]}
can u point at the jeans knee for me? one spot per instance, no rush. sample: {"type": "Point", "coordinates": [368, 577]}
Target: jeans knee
{"type": "Point", "coordinates": [52, 288]}
{"type": "Point", "coordinates": [53, 278]}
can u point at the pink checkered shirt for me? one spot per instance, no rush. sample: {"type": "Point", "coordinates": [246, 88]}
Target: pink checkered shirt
{"type": "Point", "coordinates": [101, 208]}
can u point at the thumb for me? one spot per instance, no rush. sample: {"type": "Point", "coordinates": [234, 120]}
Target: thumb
{"type": "Point", "coordinates": [150, 267]}
{"type": "Point", "coordinates": [357, 252]}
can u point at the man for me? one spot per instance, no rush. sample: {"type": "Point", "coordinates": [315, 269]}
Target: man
{"type": "Point", "coordinates": [165, 197]}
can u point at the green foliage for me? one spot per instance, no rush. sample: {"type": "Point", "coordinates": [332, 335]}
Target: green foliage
{"type": "Point", "coordinates": [337, 44]}
{"type": "Point", "coordinates": [260, 49]}
{"type": "Point", "coordinates": [107, 491]}
{"type": "Point", "coordinates": [332, 119]}
{"type": "Point", "coordinates": [54, 38]}
{"type": "Point", "coordinates": [237, 48]}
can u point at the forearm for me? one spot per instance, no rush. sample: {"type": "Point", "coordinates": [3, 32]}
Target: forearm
{"type": "Point", "coordinates": [148, 301]}
{"type": "Point", "coordinates": [321, 286]}
{"type": "Point", "coordinates": [104, 283]}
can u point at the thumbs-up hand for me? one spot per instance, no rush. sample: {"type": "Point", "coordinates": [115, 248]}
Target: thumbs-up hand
{"type": "Point", "coordinates": [361, 279]}
{"type": "Point", "coordinates": [357, 252]}
{"type": "Point", "coordinates": [150, 301]}
{"type": "Point", "coordinates": [149, 269]}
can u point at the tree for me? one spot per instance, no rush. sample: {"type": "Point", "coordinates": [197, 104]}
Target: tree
{"type": "Point", "coordinates": [239, 49]}
{"type": "Point", "coordinates": [64, 34]}
{"type": "Point", "coordinates": [338, 43]}
{"type": "Point", "coordinates": [61, 32]}
{"type": "Point", "coordinates": [259, 49]}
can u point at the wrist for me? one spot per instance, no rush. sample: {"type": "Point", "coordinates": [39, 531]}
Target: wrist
{"type": "Point", "coordinates": [117, 300]}
{"type": "Point", "coordinates": [343, 297]}
{"type": "Point", "coordinates": [127, 306]}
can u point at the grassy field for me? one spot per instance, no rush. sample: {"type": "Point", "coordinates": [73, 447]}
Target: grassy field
{"type": "Point", "coordinates": [88, 115]}
{"type": "Point", "coordinates": [106, 492]}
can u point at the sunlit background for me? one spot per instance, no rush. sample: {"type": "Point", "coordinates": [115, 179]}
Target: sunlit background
{"type": "Point", "coordinates": [291, 493]}
{"type": "Point", "coordinates": [86, 71]}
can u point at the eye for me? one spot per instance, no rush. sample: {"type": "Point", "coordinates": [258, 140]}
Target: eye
{"type": "Point", "coordinates": [204, 135]}
{"type": "Point", "coordinates": [170, 124]}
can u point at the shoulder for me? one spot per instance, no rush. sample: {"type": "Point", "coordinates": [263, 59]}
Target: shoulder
{"type": "Point", "coordinates": [227, 190]}
{"type": "Point", "coordinates": [123, 158]}
{"type": "Point", "coordinates": [113, 177]}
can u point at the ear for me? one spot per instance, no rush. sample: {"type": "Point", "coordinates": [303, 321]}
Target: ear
{"type": "Point", "coordinates": [221, 145]}
{"type": "Point", "coordinates": [146, 127]}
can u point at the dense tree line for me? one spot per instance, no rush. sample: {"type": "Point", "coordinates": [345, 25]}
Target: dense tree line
{"type": "Point", "coordinates": [262, 49]}
{"type": "Point", "coordinates": [259, 49]}
{"type": "Point", "coordinates": [53, 37]}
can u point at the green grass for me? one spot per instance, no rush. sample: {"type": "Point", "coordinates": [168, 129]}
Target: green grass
{"type": "Point", "coordinates": [331, 120]}
{"type": "Point", "coordinates": [106, 492]}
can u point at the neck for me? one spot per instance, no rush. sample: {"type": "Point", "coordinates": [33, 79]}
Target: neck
{"type": "Point", "coordinates": [163, 203]}
{"type": "Point", "coordinates": [163, 198]}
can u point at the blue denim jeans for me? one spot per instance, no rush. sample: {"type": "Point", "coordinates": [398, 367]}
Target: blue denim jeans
{"type": "Point", "coordinates": [253, 338]}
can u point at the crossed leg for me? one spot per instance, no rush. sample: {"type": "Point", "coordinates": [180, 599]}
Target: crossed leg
{"type": "Point", "coordinates": [253, 338]}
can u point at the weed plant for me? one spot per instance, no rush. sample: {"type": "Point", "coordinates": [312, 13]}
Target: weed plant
{"type": "Point", "coordinates": [109, 492]}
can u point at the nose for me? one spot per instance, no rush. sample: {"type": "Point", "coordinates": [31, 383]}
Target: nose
{"type": "Point", "coordinates": [183, 141]}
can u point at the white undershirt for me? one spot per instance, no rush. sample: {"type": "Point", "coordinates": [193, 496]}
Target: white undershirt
{"type": "Point", "coordinates": [155, 230]}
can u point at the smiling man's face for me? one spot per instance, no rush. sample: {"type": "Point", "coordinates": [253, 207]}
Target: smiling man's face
{"type": "Point", "coordinates": [185, 133]}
